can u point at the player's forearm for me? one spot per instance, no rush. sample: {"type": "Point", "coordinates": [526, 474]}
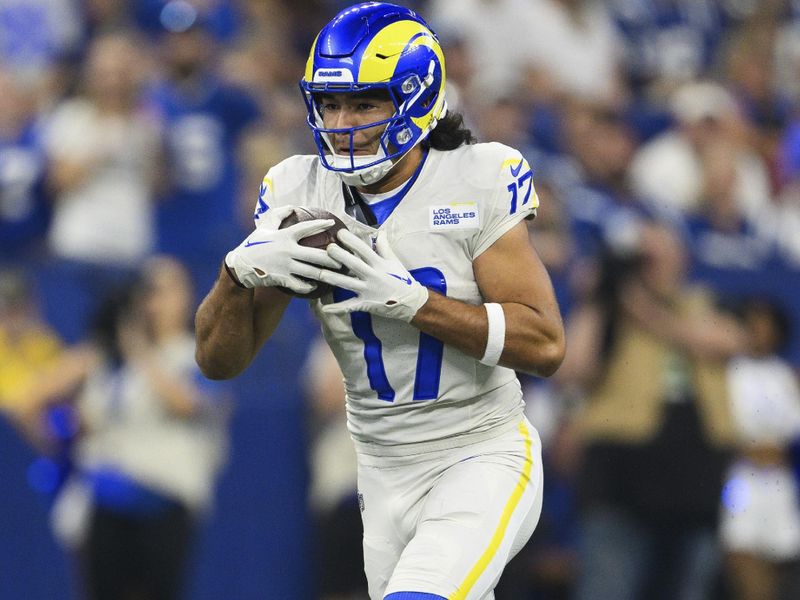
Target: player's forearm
{"type": "Point", "coordinates": [231, 325]}
{"type": "Point", "coordinates": [534, 342]}
{"type": "Point", "coordinates": [224, 330]}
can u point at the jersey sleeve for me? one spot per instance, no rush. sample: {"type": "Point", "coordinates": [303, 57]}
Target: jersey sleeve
{"type": "Point", "coordinates": [281, 185]}
{"type": "Point", "coordinates": [513, 199]}
{"type": "Point", "coordinates": [265, 198]}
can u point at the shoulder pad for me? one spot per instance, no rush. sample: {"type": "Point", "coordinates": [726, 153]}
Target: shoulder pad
{"type": "Point", "coordinates": [482, 164]}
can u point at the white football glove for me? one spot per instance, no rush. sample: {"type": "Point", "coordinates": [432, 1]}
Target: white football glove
{"type": "Point", "coordinates": [272, 257]}
{"type": "Point", "coordinates": [383, 286]}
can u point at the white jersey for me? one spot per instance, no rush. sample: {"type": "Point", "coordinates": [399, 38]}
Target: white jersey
{"type": "Point", "coordinates": [407, 391]}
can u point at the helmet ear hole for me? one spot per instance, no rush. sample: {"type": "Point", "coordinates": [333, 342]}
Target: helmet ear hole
{"type": "Point", "coordinates": [410, 85]}
{"type": "Point", "coordinates": [403, 136]}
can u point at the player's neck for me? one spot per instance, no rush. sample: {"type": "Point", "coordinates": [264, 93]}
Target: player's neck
{"type": "Point", "coordinates": [398, 175]}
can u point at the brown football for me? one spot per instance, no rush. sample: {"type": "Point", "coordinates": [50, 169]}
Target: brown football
{"type": "Point", "coordinates": [317, 240]}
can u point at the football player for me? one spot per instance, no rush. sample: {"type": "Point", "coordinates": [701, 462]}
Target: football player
{"type": "Point", "coordinates": [443, 298]}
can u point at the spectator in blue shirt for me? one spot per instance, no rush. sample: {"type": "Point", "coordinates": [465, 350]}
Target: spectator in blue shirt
{"type": "Point", "coordinates": [204, 119]}
{"type": "Point", "coordinates": [24, 207]}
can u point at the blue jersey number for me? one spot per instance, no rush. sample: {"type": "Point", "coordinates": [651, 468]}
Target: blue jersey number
{"type": "Point", "coordinates": [516, 188]}
{"type": "Point", "coordinates": [431, 350]}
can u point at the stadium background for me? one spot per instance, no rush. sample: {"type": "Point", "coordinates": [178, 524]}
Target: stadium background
{"type": "Point", "coordinates": [260, 535]}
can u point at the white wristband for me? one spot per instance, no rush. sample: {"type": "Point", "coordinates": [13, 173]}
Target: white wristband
{"type": "Point", "coordinates": [496, 338]}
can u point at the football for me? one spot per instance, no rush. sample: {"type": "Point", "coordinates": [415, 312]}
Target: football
{"type": "Point", "coordinates": [317, 240]}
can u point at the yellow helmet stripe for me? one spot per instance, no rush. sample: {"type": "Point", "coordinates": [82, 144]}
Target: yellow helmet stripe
{"type": "Point", "coordinates": [309, 76]}
{"type": "Point", "coordinates": [375, 69]}
{"type": "Point", "coordinates": [390, 42]}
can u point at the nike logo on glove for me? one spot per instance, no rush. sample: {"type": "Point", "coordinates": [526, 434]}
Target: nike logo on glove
{"type": "Point", "coordinates": [248, 244]}
{"type": "Point", "coordinates": [407, 280]}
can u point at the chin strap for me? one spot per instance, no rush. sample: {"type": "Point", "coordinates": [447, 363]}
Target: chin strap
{"type": "Point", "coordinates": [367, 177]}
{"type": "Point", "coordinates": [357, 207]}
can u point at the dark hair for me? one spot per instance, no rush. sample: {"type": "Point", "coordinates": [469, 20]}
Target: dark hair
{"type": "Point", "coordinates": [115, 306]}
{"type": "Point", "coordinates": [449, 133]}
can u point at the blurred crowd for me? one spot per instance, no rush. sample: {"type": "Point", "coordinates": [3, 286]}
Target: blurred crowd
{"type": "Point", "coordinates": [664, 137]}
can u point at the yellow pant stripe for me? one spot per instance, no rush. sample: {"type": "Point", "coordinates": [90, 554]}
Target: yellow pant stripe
{"type": "Point", "coordinates": [499, 533]}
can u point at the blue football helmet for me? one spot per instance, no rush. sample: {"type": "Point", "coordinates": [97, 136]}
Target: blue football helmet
{"type": "Point", "coordinates": [376, 46]}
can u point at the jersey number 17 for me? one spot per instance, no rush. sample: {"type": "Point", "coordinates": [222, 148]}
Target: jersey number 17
{"type": "Point", "coordinates": [431, 350]}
